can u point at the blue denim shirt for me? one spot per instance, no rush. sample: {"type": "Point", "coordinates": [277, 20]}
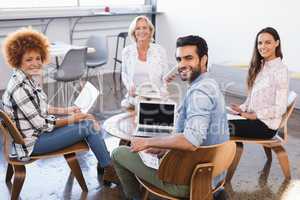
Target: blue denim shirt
{"type": "Point", "coordinates": [202, 115]}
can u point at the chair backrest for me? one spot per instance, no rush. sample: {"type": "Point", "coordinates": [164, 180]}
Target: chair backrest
{"type": "Point", "coordinates": [9, 130]}
{"type": "Point", "coordinates": [100, 56]}
{"type": "Point", "coordinates": [177, 166]}
{"type": "Point", "coordinates": [123, 35]}
{"type": "Point", "coordinates": [283, 124]}
{"type": "Point", "coordinates": [73, 65]}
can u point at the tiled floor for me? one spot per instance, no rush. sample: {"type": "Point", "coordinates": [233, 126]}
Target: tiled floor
{"type": "Point", "coordinates": [254, 179]}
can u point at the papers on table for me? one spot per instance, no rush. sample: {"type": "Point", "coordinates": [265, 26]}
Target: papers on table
{"type": "Point", "coordinates": [231, 111]}
{"type": "Point", "coordinates": [150, 160]}
{"type": "Point", "coordinates": [87, 97]}
{"type": "Point", "coordinates": [148, 90]}
{"type": "Point", "coordinates": [150, 95]}
{"type": "Point", "coordinates": [234, 117]}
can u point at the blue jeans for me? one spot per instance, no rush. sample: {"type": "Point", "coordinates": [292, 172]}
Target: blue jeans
{"type": "Point", "coordinates": [63, 137]}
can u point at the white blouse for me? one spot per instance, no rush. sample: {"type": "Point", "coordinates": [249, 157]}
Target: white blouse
{"type": "Point", "coordinates": [142, 73]}
{"type": "Point", "coordinates": [269, 94]}
{"type": "Point", "coordinates": [151, 70]}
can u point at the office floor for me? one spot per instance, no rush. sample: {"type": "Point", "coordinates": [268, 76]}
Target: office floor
{"type": "Point", "coordinates": [254, 179]}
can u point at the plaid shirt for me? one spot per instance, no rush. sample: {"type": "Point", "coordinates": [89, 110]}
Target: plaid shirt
{"type": "Point", "coordinates": [27, 106]}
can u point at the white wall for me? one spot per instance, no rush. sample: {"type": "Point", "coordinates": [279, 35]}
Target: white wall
{"type": "Point", "coordinates": [230, 26]}
{"type": "Point", "coordinates": [59, 30]}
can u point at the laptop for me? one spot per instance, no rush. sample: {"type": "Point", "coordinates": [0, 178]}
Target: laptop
{"type": "Point", "coordinates": [155, 118]}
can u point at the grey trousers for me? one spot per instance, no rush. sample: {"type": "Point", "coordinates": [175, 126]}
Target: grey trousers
{"type": "Point", "coordinates": [128, 164]}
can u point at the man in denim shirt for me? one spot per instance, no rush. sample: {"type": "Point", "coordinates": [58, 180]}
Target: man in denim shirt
{"type": "Point", "coordinates": [202, 121]}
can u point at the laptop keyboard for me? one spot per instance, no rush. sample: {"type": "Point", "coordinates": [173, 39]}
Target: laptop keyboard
{"type": "Point", "coordinates": [154, 130]}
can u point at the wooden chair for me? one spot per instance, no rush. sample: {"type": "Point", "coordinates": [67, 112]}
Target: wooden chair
{"type": "Point", "coordinates": [17, 168]}
{"type": "Point", "coordinates": [194, 168]}
{"type": "Point", "coordinates": [275, 144]}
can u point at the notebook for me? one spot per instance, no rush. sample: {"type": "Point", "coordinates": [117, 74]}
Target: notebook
{"type": "Point", "coordinates": [155, 118]}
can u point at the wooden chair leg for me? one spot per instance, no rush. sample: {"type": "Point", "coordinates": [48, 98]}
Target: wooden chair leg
{"type": "Point", "coordinates": [76, 170]}
{"type": "Point", "coordinates": [9, 173]}
{"type": "Point", "coordinates": [235, 162]}
{"type": "Point", "coordinates": [268, 152]}
{"type": "Point", "coordinates": [146, 195]}
{"type": "Point", "coordinates": [19, 177]}
{"type": "Point", "coordinates": [283, 160]}
{"type": "Point", "coordinates": [200, 187]}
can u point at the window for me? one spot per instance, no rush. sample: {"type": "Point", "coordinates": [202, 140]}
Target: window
{"type": "Point", "coordinates": [66, 3]}
{"type": "Point", "coordinates": [36, 3]}
{"type": "Point", "coordinates": [111, 2]}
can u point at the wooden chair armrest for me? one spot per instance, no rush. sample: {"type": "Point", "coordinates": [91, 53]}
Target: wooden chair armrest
{"type": "Point", "coordinates": [201, 181]}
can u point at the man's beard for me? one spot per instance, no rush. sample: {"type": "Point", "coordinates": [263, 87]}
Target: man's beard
{"type": "Point", "coordinates": [195, 73]}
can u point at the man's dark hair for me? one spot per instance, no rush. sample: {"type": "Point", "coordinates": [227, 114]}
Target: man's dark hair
{"type": "Point", "coordinates": [195, 40]}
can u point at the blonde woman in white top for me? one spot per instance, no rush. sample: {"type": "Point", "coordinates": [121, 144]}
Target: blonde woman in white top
{"type": "Point", "coordinates": [267, 89]}
{"type": "Point", "coordinates": [143, 62]}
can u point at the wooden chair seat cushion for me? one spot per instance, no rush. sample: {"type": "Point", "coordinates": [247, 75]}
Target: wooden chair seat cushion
{"type": "Point", "coordinates": [253, 140]}
{"type": "Point", "coordinates": [78, 147]}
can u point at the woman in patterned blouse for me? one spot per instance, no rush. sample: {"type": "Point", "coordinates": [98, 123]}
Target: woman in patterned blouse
{"type": "Point", "coordinates": [143, 63]}
{"type": "Point", "coordinates": [26, 51]}
{"type": "Point", "coordinates": [267, 89]}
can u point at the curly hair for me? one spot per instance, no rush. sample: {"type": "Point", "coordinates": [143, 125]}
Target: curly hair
{"type": "Point", "coordinates": [21, 41]}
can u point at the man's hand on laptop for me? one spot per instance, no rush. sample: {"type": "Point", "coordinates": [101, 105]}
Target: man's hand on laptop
{"type": "Point", "coordinates": [139, 144]}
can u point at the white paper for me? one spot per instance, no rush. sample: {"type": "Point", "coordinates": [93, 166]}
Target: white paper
{"type": "Point", "coordinates": [150, 94]}
{"type": "Point", "coordinates": [87, 97]}
{"type": "Point", "coordinates": [150, 160]}
{"type": "Point", "coordinates": [231, 111]}
{"type": "Point", "coordinates": [148, 91]}
{"type": "Point", "coordinates": [234, 117]}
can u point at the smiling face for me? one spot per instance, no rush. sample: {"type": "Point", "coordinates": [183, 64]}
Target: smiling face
{"type": "Point", "coordinates": [31, 63]}
{"type": "Point", "coordinates": [266, 46]}
{"type": "Point", "coordinates": [190, 66]}
{"type": "Point", "coordinates": [142, 31]}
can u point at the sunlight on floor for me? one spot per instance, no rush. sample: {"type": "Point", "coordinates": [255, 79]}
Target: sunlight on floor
{"type": "Point", "coordinates": [112, 143]}
{"type": "Point", "coordinates": [292, 191]}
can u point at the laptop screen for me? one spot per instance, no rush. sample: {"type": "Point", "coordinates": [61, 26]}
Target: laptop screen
{"type": "Point", "coordinates": [158, 114]}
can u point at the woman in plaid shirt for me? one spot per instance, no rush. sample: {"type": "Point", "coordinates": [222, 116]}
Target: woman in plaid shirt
{"type": "Point", "coordinates": [25, 102]}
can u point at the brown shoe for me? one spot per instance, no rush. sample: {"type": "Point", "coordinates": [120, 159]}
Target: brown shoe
{"type": "Point", "coordinates": [110, 175]}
